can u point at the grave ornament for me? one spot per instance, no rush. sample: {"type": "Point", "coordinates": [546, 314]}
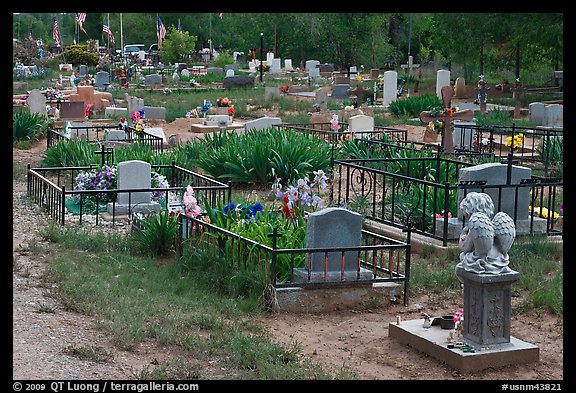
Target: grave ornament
{"type": "Point", "coordinates": [486, 238]}
{"type": "Point", "coordinates": [447, 115]}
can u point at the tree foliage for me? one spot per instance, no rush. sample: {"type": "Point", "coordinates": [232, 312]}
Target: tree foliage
{"type": "Point", "coordinates": [176, 46]}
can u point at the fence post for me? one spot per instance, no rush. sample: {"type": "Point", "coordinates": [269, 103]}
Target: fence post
{"type": "Point", "coordinates": [63, 205]}
{"type": "Point", "coordinates": [274, 235]}
{"type": "Point", "coordinates": [408, 230]}
{"type": "Point", "coordinates": [446, 210]}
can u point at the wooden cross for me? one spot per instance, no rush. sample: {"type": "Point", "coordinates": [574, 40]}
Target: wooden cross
{"type": "Point", "coordinates": [447, 117]}
{"type": "Point", "coordinates": [360, 94]}
{"type": "Point", "coordinates": [517, 91]}
{"type": "Point", "coordinates": [482, 89]}
{"type": "Point", "coordinates": [408, 68]}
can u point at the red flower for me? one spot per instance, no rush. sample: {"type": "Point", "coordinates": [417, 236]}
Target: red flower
{"type": "Point", "coordinates": [231, 110]}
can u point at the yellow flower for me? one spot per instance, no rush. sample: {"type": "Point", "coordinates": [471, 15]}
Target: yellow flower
{"type": "Point", "coordinates": [543, 212]}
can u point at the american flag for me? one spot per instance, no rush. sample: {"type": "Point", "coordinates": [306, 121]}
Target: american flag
{"type": "Point", "coordinates": [160, 32]}
{"type": "Point", "coordinates": [106, 29]}
{"type": "Point", "coordinates": [80, 18]}
{"type": "Point", "coordinates": [56, 33]}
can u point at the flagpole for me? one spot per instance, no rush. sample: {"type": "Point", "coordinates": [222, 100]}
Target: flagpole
{"type": "Point", "coordinates": [110, 28]}
{"type": "Point", "coordinates": [121, 38]}
{"type": "Point", "coordinates": [210, 37]}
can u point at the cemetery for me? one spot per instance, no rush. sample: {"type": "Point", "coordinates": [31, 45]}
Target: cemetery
{"type": "Point", "coordinates": [322, 187]}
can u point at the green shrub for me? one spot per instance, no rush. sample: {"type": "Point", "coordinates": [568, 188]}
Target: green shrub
{"type": "Point", "coordinates": [77, 54]}
{"type": "Point", "coordinates": [28, 126]}
{"type": "Point", "coordinates": [70, 153]}
{"type": "Point", "coordinates": [156, 234]}
{"type": "Point", "coordinates": [224, 58]}
{"type": "Point", "coordinates": [414, 105]}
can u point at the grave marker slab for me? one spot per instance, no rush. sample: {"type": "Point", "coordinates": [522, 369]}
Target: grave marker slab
{"type": "Point", "coordinates": [442, 79]}
{"type": "Point", "coordinates": [262, 123]}
{"type": "Point", "coordinates": [390, 89]}
{"type": "Point", "coordinates": [134, 174]}
{"type": "Point", "coordinates": [37, 102]}
{"type": "Point", "coordinates": [72, 110]}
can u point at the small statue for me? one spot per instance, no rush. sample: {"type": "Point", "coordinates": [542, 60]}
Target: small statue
{"type": "Point", "coordinates": [427, 323]}
{"type": "Point", "coordinates": [486, 238]}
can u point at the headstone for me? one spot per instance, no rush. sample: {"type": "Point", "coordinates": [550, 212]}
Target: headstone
{"type": "Point", "coordinates": [114, 135]}
{"type": "Point", "coordinates": [321, 96]}
{"type": "Point", "coordinates": [155, 112]}
{"type": "Point", "coordinates": [134, 174]}
{"type": "Point", "coordinates": [460, 87]}
{"type": "Point", "coordinates": [311, 65]}
{"type": "Point", "coordinates": [153, 80]}
{"type": "Point", "coordinates": [251, 66]}
{"type": "Point", "coordinates": [79, 130]}
{"type": "Point", "coordinates": [229, 72]}
{"type": "Point", "coordinates": [340, 91]}
{"type": "Point", "coordinates": [314, 74]}
{"type": "Point", "coordinates": [359, 123]}
{"type": "Point", "coordinates": [517, 92]}
{"type": "Point", "coordinates": [134, 103]}
{"type": "Point", "coordinates": [262, 123]}
{"type": "Point", "coordinates": [156, 131]}
{"type": "Point", "coordinates": [329, 228]}
{"type": "Point", "coordinates": [185, 73]}
{"type": "Point", "coordinates": [271, 93]}
{"type": "Point", "coordinates": [390, 90]}
{"type": "Point", "coordinates": [374, 72]}
{"type": "Point", "coordinates": [496, 174]}
{"type": "Point", "coordinates": [37, 102]}
{"type": "Point", "coordinates": [72, 110]}
{"type": "Point", "coordinates": [288, 65]}
{"type": "Point", "coordinates": [269, 58]}
{"type": "Point", "coordinates": [214, 70]}
{"type": "Point", "coordinates": [536, 112]}
{"type": "Point", "coordinates": [82, 70]}
{"type": "Point", "coordinates": [233, 67]}
{"type": "Point", "coordinates": [115, 112]}
{"type": "Point", "coordinates": [65, 67]}
{"type": "Point", "coordinates": [463, 134]}
{"type": "Point", "coordinates": [554, 115]}
{"type": "Point", "coordinates": [175, 77]}
{"type": "Point", "coordinates": [238, 81]}
{"type": "Point", "coordinates": [218, 120]}
{"type": "Point", "coordinates": [102, 79]}
{"type": "Point", "coordinates": [276, 67]}
{"type": "Point", "coordinates": [353, 71]}
{"type": "Point", "coordinates": [442, 79]}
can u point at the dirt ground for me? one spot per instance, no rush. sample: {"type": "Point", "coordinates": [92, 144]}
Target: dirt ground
{"type": "Point", "coordinates": [45, 334]}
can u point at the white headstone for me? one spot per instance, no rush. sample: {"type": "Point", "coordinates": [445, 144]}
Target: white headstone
{"type": "Point", "coordinates": [359, 123]}
{"type": "Point", "coordinates": [536, 112]}
{"type": "Point", "coordinates": [442, 79]}
{"type": "Point", "coordinates": [185, 72]}
{"type": "Point", "coordinates": [262, 123]}
{"type": "Point", "coordinates": [288, 65]}
{"type": "Point", "coordinates": [311, 64]}
{"type": "Point", "coordinates": [390, 89]}
{"type": "Point", "coordinates": [554, 115]}
{"type": "Point", "coordinates": [269, 58]}
{"type": "Point", "coordinates": [251, 66]}
{"type": "Point", "coordinates": [134, 174]}
{"type": "Point", "coordinates": [276, 67]}
{"type": "Point", "coordinates": [229, 72]}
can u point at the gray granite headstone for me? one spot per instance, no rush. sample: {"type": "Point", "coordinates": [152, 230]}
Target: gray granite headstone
{"type": "Point", "coordinates": [554, 115]}
{"type": "Point", "coordinates": [37, 102]}
{"type": "Point", "coordinates": [134, 103]}
{"type": "Point", "coordinates": [132, 175]}
{"type": "Point", "coordinates": [238, 81]}
{"type": "Point", "coordinates": [334, 227]}
{"type": "Point", "coordinates": [214, 70]}
{"type": "Point", "coordinates": [233, 67]}
{"type": "Point", "coordinates": [321, 96]}
{"type": "Point", "coordinates": [311, 64]}
{"type": "Point", "coordinates": [276, 66]}
{"type": "Point", "coordinates": [271, 93]}
{"type": "Point", "coordinates": [495, 174]}
{"type": "Point", "coordinates": [340, 91]}
{"type": "Point", "coordinates": [80, 129]}
{"type": "Point", "coordinates": [262, 123]}
{"type": "Point", "coordinates": [155, 112]}
{"type": "Point", "coordinates": [102, 79]}
{"type": "Point", "coordinates": [153, 80]}
{"type": "Point", "coordinates": [83, 70]}
{"type": "Point", "coordinates": [463, 134]}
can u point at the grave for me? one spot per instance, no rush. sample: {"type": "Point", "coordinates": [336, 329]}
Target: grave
{"type": "Point", "coordinates": [233, 67]}
{"type": "Point", "coordinates": [327, 228]}
{"type": "Point", "coordinates": [496, 174]}
{"type": "Point", "coordinates": [408, 67]}
{"type": "Point", "coordinates": [153, 80]}
{"type": "Point", "coordinates": [276, 66]}
{"type": "Point", "coordinates": [360, 123]}
{"type": "Point", "coordinates": [72, 110]}
{"type": "Point", "coordinates": [262, 123]}
{"type": "Point", "coordinates": [37, 102]}
{"type": "Point", "coordinates": [82, 70]}
{"type": "Point", "coordinates": [215, 70]}
{"type": "Point", "coordinates": [238, 81]}
{"type": "Point", "coordinates": [133, 175]}
{"type": "Point", "coordinates": [111, 111]}
{"type": "Point", "coordinates": [442, 79]}
{"type": "Point", "coordinates": [102, 79]}
{"type": "Point", "coordinates": [390, 88]}
{"type": "Point", "coordinates": [340, 91]}
{"type": "Point", "coordinates": [229, 72]}
{"type": "Point", "coordinates": [155, 112]}
{"type": "Point", "coordinates": [447, 117]}
{"type": "Point", "coordinates": [321, 97]}
{"type": "Point", "coordinates": [271, 93]}
{"type": "Point", "coordinates": [115, 135]}
{"type": "Point", "coordinates": [288, 65]}
{"type": "Point", "coordinates": [517, 92]}
{"type": "Point", "coordinates": [134, 103]}
{"type": "Point", "coordinates": [460, 88]}
{"type": "Point", "coordinates": [482, 339]}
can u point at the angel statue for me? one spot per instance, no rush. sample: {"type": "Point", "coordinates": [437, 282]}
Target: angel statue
{"type": "Point", "coordinates": [486, 238]}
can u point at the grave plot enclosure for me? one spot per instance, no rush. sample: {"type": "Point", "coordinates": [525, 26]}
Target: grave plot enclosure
{"type": "Point", "coordinates": [51, 188]}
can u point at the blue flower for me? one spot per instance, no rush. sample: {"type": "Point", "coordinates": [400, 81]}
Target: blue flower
{"type": "Point", "coordinates": [231, 206]}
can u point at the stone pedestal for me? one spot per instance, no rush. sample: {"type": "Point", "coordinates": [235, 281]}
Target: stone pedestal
{"type": "Point", "coordinates": [487, 306]}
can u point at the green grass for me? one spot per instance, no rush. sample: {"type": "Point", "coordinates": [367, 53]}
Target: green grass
{"type": "Point", "coordinates": [173, 302]}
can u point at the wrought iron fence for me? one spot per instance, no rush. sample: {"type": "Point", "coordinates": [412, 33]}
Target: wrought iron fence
{"type": "Point", "coordinates": [378, 258]}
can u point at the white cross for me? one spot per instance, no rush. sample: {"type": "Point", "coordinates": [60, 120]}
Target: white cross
{"type": "Point", "coordinates": [409, 67]}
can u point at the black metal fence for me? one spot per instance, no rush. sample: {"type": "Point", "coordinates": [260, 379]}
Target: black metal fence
{"type": "Point", "coordinates": [96, 134]}
{"type": "Point", "coordinates": [323, 131]}
{"type": "Point", "coordinates": [50, 188]}
{"type": "Point", "coordinates": [423, 190]}
{"type": "Point", "coordinates": [378, 258]}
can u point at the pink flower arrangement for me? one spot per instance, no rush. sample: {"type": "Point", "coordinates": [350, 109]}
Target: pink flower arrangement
{"type": "Point", "coordinates": [191, 205]}
{"type": "Point", "coordinates": [458, 316]}
{"type": "Point", "coordinates": [441, 215]}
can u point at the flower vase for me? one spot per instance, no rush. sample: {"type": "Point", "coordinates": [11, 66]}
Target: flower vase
{"type": "Point", "coordinates": [221, 110]}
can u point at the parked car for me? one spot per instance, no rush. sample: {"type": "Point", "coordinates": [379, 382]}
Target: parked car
{"type": "Point", "coordinates": [133, 49]}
